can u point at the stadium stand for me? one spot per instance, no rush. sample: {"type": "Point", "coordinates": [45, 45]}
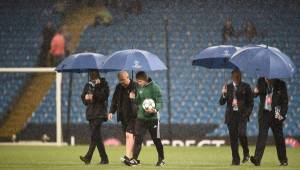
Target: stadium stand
{"type": "Point", "coordinates": [193, 25]}
{"type": "Point", "coordinates": [21, 25]}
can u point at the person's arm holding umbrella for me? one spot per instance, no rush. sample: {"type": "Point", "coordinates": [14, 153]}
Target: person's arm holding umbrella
{"type": "Point", "coordinates": [102, 92]}
{"type": "Point", "coordinates": [85, 96]}
{"type": "Point", "coordinates": [259, 87]}
{"type": "Point", "coordinates": [134, 96]}
{"type": "Point", "coordinates": [223, 97]}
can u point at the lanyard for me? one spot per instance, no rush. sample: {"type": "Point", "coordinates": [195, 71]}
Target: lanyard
{"type": "Point", "coordinates": [235, 102]}
{"type": "Point", "coordinates": [268, 100]}
{"type": "Point", "coordinates": [234, 90]}
{"type": "Point", "coordinates": [270, 89]}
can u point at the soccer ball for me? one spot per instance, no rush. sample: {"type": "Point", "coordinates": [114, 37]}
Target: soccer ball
{"type": "Point", "coordinates": [148, 104]}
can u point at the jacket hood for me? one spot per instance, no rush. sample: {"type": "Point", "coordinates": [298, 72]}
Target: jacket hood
{"type": "Point", "coordinates": [149, 82]}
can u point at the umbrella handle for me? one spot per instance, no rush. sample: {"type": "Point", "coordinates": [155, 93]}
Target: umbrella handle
{"type": "Point", "coordinates": [131, 80]}
{"type": "Point", "coordinates": [131, 74]}
{"type": "Point", "coordinates": [224, 75]}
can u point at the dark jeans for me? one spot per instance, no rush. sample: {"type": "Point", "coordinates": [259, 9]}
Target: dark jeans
{"type": "Point", "coordinates": [238, 133]}
{"type": "Point", "coordinates": [268, 121]}
{"type": "Point", "coordinates": [96, 140]}
{"type": "Point", "coordinates": [141, 127]}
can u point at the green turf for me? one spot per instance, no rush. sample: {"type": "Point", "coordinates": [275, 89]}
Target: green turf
{"type": "Point", "coordinates": [56, 158]}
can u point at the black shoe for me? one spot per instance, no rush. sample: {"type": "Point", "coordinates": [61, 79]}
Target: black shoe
{"type": "Point", "coordinates": [85, 160]}
{"type": "Point", "coordinates": [246, 159]}
{"type": "Point", "coordinates": [125, 160]}
{"type": "Point", "coordinates": [104, 161]}
{"type": "Point", "coordinates": [283, 164]}
{"type": "Point", "coordinates": [160, 162]}
{"type": "Point", "coordinates": [254, 161]}
{"type": "Point", "coordinates": [235, 163]}
{"type": "Point", "coordinates": [133, 162]}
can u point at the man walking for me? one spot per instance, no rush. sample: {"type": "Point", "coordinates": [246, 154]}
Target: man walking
{"type": "Point", "coordinates": [238, 97]}
{"type": "Point", "coordinates": [273, 107]}
{"type": "Point", "coordinates": [94, 96]}
{"type": "Point", "coordinates": [149, 101]}
{"type": "Point", "coordinates": [126, 110]}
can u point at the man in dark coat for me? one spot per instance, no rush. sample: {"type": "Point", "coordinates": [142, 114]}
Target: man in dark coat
{"type": "Point", "coordinates": [94, 96]}
{"type": "Point", "coordinates": [126, 110]}
{"type": "Point", "coordinates": [238, 97]}
{"type": "Point", "coordinates": [273, 107]}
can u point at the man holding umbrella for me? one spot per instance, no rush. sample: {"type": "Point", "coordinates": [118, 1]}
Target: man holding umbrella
{"type": "Point", "coordinates": [238, 97]}
{"type": "Point", "coordinates": [273, 107]}
{"type": "Point", "coordinates": [126, 110]}
{"type": "Point", "coordinates": [95, 96]}
{"type": "Point", "coordinates": [270, 64]}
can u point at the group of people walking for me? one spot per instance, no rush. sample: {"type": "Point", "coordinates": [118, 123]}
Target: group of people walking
{"type": "Point", "coordinates": [273, 107]}
{"type": "Point", "coordinates": [128, 103]}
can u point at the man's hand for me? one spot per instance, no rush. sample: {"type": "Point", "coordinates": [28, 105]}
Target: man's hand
{"type": "Point", "coordinates": [278, 116]}
{"type": "Point", "coordinates": [152, 110]}
{"type": "Point", "coordinates": [132, 95]}
{"type": "Point", "coordinates": [256, 91]}
{"type": "Point", "coordinates": [109, 116]}
{"type": "Point", "coordinates": [88, 97]}
{"type": "Point", "coordinates": [224, 89]}
{"type": "Point", "coordinates": [97, 81]}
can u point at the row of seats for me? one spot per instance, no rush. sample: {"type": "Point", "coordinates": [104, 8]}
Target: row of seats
{"type": "Point", "coordinates": [21, 24]}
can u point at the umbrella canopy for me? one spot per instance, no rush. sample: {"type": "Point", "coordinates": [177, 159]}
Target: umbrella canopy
{"type": "Point", "coordinates": [133, 60]}
{"type": "Point", "coordinates": [82, 62]}
{"type": "Point", "coordinates": [215, 57]}
{"type": "Point", "coordinates": [263, 61]}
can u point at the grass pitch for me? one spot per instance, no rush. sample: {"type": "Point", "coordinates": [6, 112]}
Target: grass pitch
{"type": "Point", "coordinates": [67, 158]}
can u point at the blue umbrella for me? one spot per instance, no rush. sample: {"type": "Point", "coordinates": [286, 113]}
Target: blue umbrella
{"type": "Point", "coordinates": [263, 61]}
{"type": "Point", "coordinates": [82, 62]}
{"type": "Point", "coordinates": [133, 60]}
{"type": "Point", "coordinates": [215, 57]}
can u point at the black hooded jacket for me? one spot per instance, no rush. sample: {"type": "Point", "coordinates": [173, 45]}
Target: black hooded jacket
{"type": "Point", "coordinates": [96, 109]}
{"type": "Point", "coordinates": [122, 104]}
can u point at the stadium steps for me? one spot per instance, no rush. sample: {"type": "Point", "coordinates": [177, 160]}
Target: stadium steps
{"type": "Point", "coordinates": [76, 20]}
{"type": "Point", "coordinates": [26, 104]}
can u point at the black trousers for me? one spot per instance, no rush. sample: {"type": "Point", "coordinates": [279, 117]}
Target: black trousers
{"type": "Point", "coordinates": [141, 127]}
{"type": "Point", "coordinates": [96, 140]}
{"type": "Point", "coordinates": [268, 121]}
{"type": "Point", "coordinates": [238, 133]}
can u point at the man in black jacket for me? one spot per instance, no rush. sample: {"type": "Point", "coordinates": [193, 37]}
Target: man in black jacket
{"type": "Point", "coordinates": [126, 110]}
{"type": "Point", "coordinates": [238, 97]}
{"type": "Point", "coordinates": [94, 96]}
{"type": "Point", "coordinates": [273, 107]}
